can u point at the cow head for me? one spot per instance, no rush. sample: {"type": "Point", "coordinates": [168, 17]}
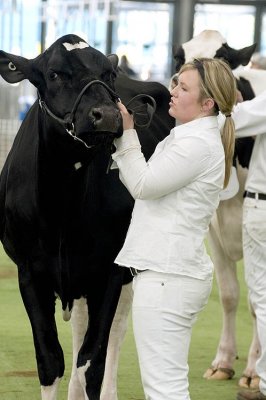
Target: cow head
{"type": "Point", "coordinates": [75, 84]}
{"type": "Point", "coordinates": [211, 44]}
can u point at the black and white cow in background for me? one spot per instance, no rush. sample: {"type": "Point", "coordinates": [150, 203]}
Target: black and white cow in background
{"type": "Point", "coordinates": [225, 235]}
{"type": "Point", "coordinates": [63, 216]}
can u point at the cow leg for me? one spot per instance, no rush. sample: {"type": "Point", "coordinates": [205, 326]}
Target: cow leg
{"type": "Point", "coordinates": [117, 335]}
{"type": "Point", "coordinates": [225, 269]}
{"type": "Point", "coordinates": [50, 392]}
{"type": "Point", "coordinates": [91, 358]}
{"type": "Point", "coordinates": [79, 324]}
{"type": "Point", "coordinates": [39, 302]}
{"type": "Point", "coordinates": [249, 378]}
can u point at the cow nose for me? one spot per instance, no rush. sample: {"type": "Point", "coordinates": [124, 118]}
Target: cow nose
{"type": "Point", "coordinates": [105, 118]}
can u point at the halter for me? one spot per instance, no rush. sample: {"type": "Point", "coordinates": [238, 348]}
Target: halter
{"type": "Point", "coordinates": [137, 111]}
{"type": "Point", "coordinates": [67, 121]}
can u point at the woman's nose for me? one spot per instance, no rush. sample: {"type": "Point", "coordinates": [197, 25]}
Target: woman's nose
{"type": "Point", "coordinates": [174, 92]}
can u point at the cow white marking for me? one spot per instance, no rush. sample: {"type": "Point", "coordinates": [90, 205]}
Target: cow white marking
{"type": "Point", "coordinates": [203, 45]}
{"type": "Point", "coordinates": [79, 45]}
{"type": "Point", "coordinates": [81, 374]}
{"type": "Point", "coordinates": [50, 392]}
{"type": "Point", "coordinates": [79, 323]}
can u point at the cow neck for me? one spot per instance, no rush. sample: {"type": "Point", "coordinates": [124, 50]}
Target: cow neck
{"type": "Point", "coordinates": [67, 121]}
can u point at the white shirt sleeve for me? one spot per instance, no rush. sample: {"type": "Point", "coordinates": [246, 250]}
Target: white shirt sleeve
{"type": "Point", "coordinates": [250, 116]}
{"type": "Point", "coordinates": [171, 169]}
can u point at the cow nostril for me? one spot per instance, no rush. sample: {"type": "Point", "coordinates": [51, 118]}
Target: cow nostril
{"type": "Point", "coordinates": [97, 115]}
{"type": "Point", "coordinates": [104, 118]}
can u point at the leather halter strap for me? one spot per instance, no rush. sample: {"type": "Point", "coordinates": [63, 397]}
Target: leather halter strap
{"type": "Point", "coordinates": [137, 111]}
{"type": "Point", "coordinates": [67, 121]}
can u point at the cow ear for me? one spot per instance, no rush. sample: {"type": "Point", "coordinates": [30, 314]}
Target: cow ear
{"type": "Point", "coordinates": [113, 58]}
{"type": "Point", "coordinates": [235, 57]}
{"type": "Point", "coordinates": [11, 67]}
{"type": "Point", "coordinates": [246, 53]}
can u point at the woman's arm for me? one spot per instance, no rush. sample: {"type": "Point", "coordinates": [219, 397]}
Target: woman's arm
{"type": "Point", "coordinates": [250, 116]}
{"type": "Point", "coordinates": [168, 171]}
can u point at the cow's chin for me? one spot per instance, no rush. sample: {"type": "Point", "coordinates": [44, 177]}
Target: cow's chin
{"type": "Point", "coordinates": [96, 138]}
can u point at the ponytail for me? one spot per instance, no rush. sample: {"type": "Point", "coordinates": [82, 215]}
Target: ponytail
{"type": "Point", "coordinates": [228, 141]}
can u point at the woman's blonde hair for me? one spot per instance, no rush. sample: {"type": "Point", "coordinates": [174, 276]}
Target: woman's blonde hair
{"type": "Point", "coordinates": [218, 82]}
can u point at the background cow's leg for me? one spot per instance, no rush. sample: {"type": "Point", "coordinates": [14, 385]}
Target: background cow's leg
{"type": "Point", "coordinates": [225, 240]}
{"type": "Point", "coordinates": [117, 334]}
{"type": "Point", "coordinates": [228, 285]}
{"type": "Point", "coordinates": [39, 301]}
{"type": "Point", "coordinates": [249, 377]}
{"type": "Point", "coordinates": [79, 324]}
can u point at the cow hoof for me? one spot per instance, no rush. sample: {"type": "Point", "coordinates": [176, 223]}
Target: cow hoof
{"type": "Point", "coordinates": [219, 374]}
{"type": "Point", "coordinates": [249, 382]}
{"type": "Point", "coordinates": [250, 395]}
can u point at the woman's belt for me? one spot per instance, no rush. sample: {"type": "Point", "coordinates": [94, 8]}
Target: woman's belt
{"type": "Point", "coordinates": [257, 196]}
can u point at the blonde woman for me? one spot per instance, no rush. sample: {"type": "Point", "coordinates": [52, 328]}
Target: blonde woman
{"type": "Point", "coordinates": [176, 192]}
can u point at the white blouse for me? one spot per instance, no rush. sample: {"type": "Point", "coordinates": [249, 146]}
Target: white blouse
{"type": "Point", "coordinates": [250, 120]}
{"type": "Point", "coordinates": [176, 192]}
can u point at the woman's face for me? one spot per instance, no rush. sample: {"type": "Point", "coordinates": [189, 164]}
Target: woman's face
{"type": "Point", "coordinates": [185, 105]}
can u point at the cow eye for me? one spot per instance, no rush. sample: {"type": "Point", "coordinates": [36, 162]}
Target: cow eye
{"type": "Point", "coordinates": [52, 75]}
{"type": "Point", "coordinates": [11, 66]}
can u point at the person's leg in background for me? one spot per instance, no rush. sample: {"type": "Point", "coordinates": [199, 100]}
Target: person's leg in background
{"type": "Point", "coordinates": [254, 246]}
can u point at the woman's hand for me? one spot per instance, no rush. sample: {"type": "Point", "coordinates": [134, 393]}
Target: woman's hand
{"type": "Point", "coordinates": [128, 122]}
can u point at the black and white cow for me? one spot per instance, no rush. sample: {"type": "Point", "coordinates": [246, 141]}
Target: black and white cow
{"type": "Point", "coordinates": [225, 235]}
{"type": "Point", "coordinates": [63, 216]}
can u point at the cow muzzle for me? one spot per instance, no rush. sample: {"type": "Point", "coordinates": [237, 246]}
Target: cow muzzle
{"type": "Point", "coordinates": [68, 120]}
{"type": "Point", "coordinates": [105, 118]}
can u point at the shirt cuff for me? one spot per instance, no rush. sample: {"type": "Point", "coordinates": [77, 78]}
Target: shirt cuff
{"type": "Point", "coordinates": [129, 139]}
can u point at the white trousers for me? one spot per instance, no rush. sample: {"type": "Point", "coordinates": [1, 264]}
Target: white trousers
{"type": "Point", "coordinates": [164, 309]}
{"type": "Point", "coordinates": [254, 245]}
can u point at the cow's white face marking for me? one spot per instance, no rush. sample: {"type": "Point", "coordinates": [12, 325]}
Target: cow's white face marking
{"type": "Point", "coordinates": [205, 44]}
{"type": "Point", "coordinates": [79, 45]}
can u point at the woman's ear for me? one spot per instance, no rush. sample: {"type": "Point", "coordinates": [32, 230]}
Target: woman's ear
{"type": "Point", "coordinates": [208, 104]}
